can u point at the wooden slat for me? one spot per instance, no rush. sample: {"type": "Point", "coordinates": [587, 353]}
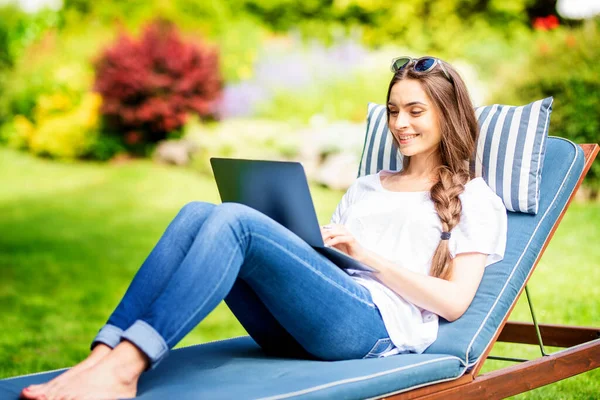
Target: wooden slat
{"type": "Point", "coordinates": [520, 378]}
{"type": "Point", "coordinates": [418, 393]}
{"type": "Point", "coordinates": [589, 153]}
{"type": "Point", "coordinates": [552, 335]}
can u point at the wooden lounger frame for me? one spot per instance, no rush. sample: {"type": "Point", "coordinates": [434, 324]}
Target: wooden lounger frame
{"type": "Point", "coordinates": [582, 345]}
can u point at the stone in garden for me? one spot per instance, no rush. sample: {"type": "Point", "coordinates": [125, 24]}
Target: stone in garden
{"type": "Point", "coordinates": [174, 152]}
{"type": "Point", "coordinates": [338, 171]}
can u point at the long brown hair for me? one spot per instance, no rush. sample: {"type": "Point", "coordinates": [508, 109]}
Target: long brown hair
{"type": "Point", "coordinates": [459, 129]}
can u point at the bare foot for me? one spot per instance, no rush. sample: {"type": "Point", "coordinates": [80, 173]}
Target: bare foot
{"type": "Point", "coordinates": [37, 391]}
{"type": "Point", "coordinates": [113, 377]}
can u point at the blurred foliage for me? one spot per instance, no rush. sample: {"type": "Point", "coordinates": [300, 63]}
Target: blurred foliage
{"type": "Point", "coordinates": [290, 77]}
{"type": "Point", "coordinates": [49, 108]}
{"type": "Point", "coordinates": [343, 100]}
{"type": "Point", "coordinates": [473, 29]}
{"type": "Point", "coordinates": [496, 37]}
{"type": "Point", "coordinates": [60, 119]}
{"type": "Point", "coordinates": [564, 64]}
{"type": "Point", "coordinates": [237, 35]}
{"type": "Point", "coordinates": [446, 27]}
{"type": "Point", "coordinates": [63, 130]}
{"type": "Point", "coordinates": [59, 62]}
{"type": "Point", "coordinates": [19, 29]}
{"type": "Point", "coordinates": [239, 47]}
{"type": "Point", "coordinates": [34, 46]}
{"type": "Point", "coordinates": [151, 84]}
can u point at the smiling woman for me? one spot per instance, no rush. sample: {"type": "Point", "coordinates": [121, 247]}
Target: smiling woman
{"type": "Point", "coordinates": [431, 119]}
{"type": "Point", "coordinates": [428, 231]}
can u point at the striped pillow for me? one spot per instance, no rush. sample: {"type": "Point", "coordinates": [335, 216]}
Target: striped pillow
{"type": "Point", "coordinates": [509, 155]}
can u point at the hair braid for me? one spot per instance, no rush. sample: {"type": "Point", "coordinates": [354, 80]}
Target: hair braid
{"type": "Point", "coordinates": [459, 131]}
{"type": "Point", "coordinates": [444, 195]}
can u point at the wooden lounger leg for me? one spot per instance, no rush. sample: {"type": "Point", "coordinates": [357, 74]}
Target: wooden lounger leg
{"type": "Point", "coordinates": [528, 375]}
{"type": "Point", "coordinates": [553, 335]}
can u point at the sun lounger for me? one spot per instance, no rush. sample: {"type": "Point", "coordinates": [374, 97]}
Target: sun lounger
{"type": "Point", "coordinates": [238, 369]}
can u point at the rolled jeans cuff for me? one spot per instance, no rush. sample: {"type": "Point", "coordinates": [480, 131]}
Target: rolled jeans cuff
{"type": "Point", "coordinates": [148, 340]}
{"type": "Point", "coordinates": [109, 335]}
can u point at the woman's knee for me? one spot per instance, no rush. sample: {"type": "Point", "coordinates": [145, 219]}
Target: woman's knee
{"type": "Point", "coordinates": [240, 220]}
{"type": "Point", "coordinates": [235, 213]}
{"type": "Point", "coordinates": [196, 209]}
{"type": "Point", "coordinates": [192, 215]}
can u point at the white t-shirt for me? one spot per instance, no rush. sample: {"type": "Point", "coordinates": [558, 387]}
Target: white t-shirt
{"type": "Point", "coordinates": [404, 228]}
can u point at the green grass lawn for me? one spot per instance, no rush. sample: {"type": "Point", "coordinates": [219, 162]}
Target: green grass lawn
{"type": "Point", "coordinates": [73, 235]}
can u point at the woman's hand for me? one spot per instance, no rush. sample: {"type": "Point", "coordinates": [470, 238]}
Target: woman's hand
{"type": "Point", "coordinates": [336, 235]}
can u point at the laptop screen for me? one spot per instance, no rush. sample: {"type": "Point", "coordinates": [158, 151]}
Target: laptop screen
{"type": "Point", "coordinates": [278, 189]}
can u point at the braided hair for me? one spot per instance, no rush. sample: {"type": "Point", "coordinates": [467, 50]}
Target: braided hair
{"type": "Point", "coordinates": [459, 130]}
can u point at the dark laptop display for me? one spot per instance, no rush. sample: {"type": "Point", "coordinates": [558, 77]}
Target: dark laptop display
{"type": "Point", "coordinates": [278, 189]}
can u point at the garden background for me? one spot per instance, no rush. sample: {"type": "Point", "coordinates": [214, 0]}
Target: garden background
{"type": "Point", "coordinates": [110, 110]}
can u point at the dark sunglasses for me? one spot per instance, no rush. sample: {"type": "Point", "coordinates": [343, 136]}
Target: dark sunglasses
{"type": "Point", "coordinates": [423, 64]}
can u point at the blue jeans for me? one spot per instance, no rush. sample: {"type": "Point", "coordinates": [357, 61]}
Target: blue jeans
{"type": "Point", "coordinates": [290, 299]}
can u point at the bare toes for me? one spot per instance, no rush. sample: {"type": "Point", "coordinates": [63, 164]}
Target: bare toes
{"type": "Point", "coordinates": [33, 392]}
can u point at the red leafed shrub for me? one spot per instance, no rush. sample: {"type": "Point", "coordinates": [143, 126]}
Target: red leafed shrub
{"type": "Point", "coordinates": [150, 85]}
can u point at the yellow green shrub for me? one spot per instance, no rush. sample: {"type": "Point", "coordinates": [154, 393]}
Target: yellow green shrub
{"type": "Point", "coordinates": [19, 133]}
{"type": "Point", "coordinates": [62, 129]}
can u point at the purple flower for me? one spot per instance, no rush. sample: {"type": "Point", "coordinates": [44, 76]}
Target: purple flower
{"type": "Point", "coordinates": [242, 99]}
{"type": "Point", "coordinates": [289, 71]}
{"type": "Point", "coordinates": [290, 66]}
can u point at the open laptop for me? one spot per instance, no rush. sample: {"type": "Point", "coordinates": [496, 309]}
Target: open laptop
{"type": "Point", "coordinates": [278, 189]}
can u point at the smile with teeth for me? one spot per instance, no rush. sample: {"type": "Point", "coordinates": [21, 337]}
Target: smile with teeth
{"type": "Point", "coordinates": [404, 138]}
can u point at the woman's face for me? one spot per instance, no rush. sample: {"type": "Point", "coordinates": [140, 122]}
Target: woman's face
{"type": "Point", "coordinates": [413, 119]}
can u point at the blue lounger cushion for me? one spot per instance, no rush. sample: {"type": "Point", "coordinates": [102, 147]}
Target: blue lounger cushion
{"type": "Point", "coordinates": [236, 368]}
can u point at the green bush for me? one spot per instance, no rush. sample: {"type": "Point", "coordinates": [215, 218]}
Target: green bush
{"type": "Point", "coordinates": [564, 64]}
{"type": "Point", "coordinates": [47, 106]}
{"type": "Point", "coordinates": [105, 146]}
{"type": "Point", "coordinates": [58, 62]}
{"type": "Point", "coordinates": [61, 129]}
{"type": "Point", "coordinates": [19, 29]}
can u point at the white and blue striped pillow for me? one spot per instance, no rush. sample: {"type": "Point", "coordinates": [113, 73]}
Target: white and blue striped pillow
{"type": "Point", "coordinates": [509, 155]}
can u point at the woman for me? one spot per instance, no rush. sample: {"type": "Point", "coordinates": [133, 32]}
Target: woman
{"type": "Point", "coordinates": [429, 230]}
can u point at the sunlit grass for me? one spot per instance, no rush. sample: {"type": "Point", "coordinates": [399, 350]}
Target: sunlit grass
{"type": "Point", "coordinates": [73, 235]}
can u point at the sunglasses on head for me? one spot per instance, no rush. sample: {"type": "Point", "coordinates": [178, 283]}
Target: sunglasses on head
{"type": "Point", "coordinates": [423, 64]}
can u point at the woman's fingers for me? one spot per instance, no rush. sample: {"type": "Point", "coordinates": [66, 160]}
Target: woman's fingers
{"type": "Point", "coordinates": [327, 231]}
{"type": "Point", "coordinates": [341, 239]}
{"type": "Point", "coordinates": [338, 236]}
{"type": "Point", "coordinates": [327, 235]}
{"type": "Point", "coordinates": [335, 235]}
{"type": "Point", "coordinates": [333, 230]}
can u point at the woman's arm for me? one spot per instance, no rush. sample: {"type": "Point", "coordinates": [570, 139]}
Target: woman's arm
{"type": "Point", "coordinates": [446, 298]}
